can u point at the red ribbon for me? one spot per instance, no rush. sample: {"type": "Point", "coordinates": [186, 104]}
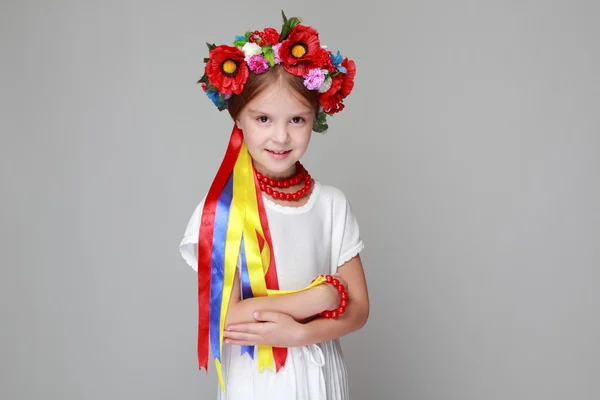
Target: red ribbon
{"type": "Point", "coordinates": [205, 245]}
{"type": "Point", "coordinates": [205, 242]}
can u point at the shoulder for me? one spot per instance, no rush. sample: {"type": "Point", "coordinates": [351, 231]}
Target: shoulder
{"type": "Point", "coordinates": [331, 193]}
{"type": "Point", "coordinates": [193, 224]}
{"type": "Point", "coordinates": [334, 200]}
{"type": "Point", "coordinates": [188, 246]}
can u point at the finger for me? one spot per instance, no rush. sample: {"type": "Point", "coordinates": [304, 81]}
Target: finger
{"type": "Point", "coordinates": [252, 327]}
{"type": "Point", "coordinates": [249, 337]}
{"type": "Point", "coordinates": [266, 316]}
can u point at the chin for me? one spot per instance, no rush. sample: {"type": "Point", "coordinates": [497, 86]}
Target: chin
{"type": "Point", "coordinates": [278, 168]}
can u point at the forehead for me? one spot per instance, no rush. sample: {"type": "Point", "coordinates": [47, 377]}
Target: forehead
{"type": "Point", "coordinates": [278, 99]}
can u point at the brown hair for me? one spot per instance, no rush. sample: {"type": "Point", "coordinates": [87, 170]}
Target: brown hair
{"type": "Point", "coordinates": [256, 84]}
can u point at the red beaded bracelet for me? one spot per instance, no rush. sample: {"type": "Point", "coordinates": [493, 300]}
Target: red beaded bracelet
{"type": "Point", "coordinates": [343, 299]}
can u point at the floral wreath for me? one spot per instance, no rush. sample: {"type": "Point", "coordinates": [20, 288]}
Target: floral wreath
{"type": "Point", "coordinates": [297, 48]}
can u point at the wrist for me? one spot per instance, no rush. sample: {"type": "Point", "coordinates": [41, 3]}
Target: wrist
{"type": "Point", "coordinates": [331, 297]}
{"type": "Point", "coordinates": [341, 298]}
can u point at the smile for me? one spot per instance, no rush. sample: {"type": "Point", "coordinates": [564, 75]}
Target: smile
{"type": "Point", "coordinates": [279, 152]}
{"type": "Point", "coordinates": [278, 155]}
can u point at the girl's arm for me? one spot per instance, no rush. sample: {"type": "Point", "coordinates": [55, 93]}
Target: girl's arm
{"type": "Point", "coordinates": [299, 306]}
{"type": "Point", "coordinates": [356, 315]}
{"type": "Point", "coordinates": [275, 328]}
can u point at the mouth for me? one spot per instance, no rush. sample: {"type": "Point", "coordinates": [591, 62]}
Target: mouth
{"type": "Point", "coordinates": [279, 152]}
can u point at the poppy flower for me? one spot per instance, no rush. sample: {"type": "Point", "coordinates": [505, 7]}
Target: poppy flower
{"type": "Point", "coordinates": [226, 69]}
{"type": "Point", "coordinates": [348, 77]}
{"type": "Point", "coordinates": [302, 51]}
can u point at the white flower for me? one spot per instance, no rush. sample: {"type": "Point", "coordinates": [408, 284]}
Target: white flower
{"type": "Point", "coordinates": [326, 83]}
{"type": "Point", "coordinates": [251, 49]}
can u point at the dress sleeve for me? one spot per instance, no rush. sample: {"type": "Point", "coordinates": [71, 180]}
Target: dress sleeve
{"type": "Point", "coordinates": [351, 242]}
{"type": "Point", "coordinates": [188, 247]}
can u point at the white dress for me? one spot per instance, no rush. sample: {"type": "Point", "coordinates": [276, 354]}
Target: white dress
{"type": "Point", "coordinates": [310, 240]}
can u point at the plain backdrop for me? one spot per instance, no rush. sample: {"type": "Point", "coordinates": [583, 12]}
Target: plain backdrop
{"type": "Point", "coordinates": [468, 149]}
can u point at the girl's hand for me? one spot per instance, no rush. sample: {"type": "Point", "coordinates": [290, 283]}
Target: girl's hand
{"type": "Point", "coordinates": [272, 328]}
{"type": "Point", "coordinates": [334, 295]}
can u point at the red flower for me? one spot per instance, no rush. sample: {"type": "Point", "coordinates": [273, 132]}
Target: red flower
{"type": "Point", "coordinates": [348, 77]}
{"type": "Point", "coordinates": [302, 51]}
{"type": "Point", "coordinates": [270, 36]}
{"type": "Point", "coordinates": [341, 86]}
{"type": "Point", "coordinates": [266, 37]}
{"type": "Point", "coordinates": [254, 37]}
{"type": "Point", "coordinates": [331, 100]}
{"type": "Point", "coordinates": [226, 69]}
{"type": "Point", "coordinates": [323, 60]}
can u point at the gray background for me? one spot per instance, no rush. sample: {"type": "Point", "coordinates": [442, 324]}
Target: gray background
{"type": "Point", "coordinates": [469, 150]}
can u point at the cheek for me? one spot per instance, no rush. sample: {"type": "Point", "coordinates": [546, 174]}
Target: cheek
{"type": "Point", "coordinates": [253, 138]}
{"type": "Point", "coordinates": [303, 138]}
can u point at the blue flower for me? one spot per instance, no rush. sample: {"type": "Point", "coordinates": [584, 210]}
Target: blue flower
{"type": "Point", "coordinates": [240, 41]}
{"type": "Point", "coordinates": [336, 60]}
{"type": "Point", "coordinates": [216, 98]}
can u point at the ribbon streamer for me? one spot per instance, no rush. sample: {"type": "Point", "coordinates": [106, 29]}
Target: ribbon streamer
{"type": "Point", "coordinates": [234, 227]}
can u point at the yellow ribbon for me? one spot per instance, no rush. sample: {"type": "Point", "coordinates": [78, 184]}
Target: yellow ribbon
{"type": "Point", "coordinates": [237, 213]}
{"type": "Point", "coordinates": [244, 218]}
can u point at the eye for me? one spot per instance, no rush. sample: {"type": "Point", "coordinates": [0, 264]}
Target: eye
{"type": "Point", "coordinates": [297, 120]}
{"type": "Point", "coordinates": [263, 119]}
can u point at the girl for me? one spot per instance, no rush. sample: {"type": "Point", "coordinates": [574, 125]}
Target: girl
{"type": "Point", "coordinates": [277, 252]}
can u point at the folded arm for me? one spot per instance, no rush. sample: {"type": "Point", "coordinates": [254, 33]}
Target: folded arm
{"type": "Point", "coordinates": [277, 328]}
{"type": "Point", "coordinates": [300, 305]}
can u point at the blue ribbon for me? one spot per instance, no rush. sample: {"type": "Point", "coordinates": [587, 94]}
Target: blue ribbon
{"type": "Point", "coordinates": [246, 290]}
{"type": "Point", "coordinates": [245, 280]}
{"type": "Point", "coordinates": [217, 269]}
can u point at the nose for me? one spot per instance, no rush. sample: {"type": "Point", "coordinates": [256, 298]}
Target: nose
{"type": "Point", "coordinates": [281, 134]}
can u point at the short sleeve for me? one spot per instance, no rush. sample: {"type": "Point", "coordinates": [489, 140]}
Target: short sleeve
{"type": "Point", "coordinates": [351, 243]}
{"type": "Point", "coordinates": [188, 247]}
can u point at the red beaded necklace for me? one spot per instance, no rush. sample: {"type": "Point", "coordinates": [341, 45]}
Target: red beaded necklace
{"type": "Point", "coordinates": [267, 184]}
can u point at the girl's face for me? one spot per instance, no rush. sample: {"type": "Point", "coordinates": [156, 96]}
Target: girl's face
{"type": "Point", "coordinates": [277, 128]}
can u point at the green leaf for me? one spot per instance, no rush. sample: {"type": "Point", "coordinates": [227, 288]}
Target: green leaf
{"type": "Point", "coordinates": [210, 46]}
{"type": "Point", "coordinates": [241, 42]}
{"type": "Point", "coordinates": [292, 22]}
{"type": "Point", "coordinates": [206, 60]}
{"type": "Point", "coordinates": [288, 24]}
{"type": "Point", "coordinates": [211, 87]}
{"type": "Point", "coordinates": [269, 55]}
{"type": "Point", "coordinates": [203, 79]}
{"type": "Point", "coordinates": [320, 127]}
